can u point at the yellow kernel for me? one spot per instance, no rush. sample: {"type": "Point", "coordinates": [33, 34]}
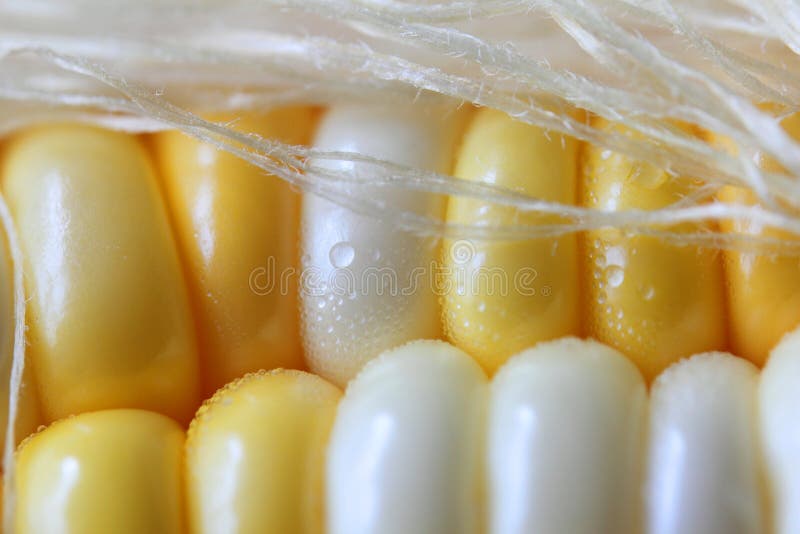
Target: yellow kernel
{"type": "Point", "coordinates": [653, 300]}
{"type": "Point", "coordinates": [763, 290]}
{"type": "Point", "coordinates": [110, 471]}
{"type": "Point", "coordinates": [506, 296]}
{"type": "Point", "coordinates": [109, 318]}
{"type": "Point", "coordinates": [255, 455]}
{"type": "Point", "coordinates": [237, 229]}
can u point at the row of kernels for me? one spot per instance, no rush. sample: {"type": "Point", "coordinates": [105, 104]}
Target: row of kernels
{"type": "Point", "coordinates": [563, 439]}
{"type": "Point", "coordinates": [116, 319]}
{"type": "Point", "coordinates": [654, 300]}
{"type": "Point", "coordinates": [113, 325]}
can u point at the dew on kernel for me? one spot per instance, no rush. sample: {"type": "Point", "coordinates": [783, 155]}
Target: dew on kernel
{"type": "Point", "coordinates": [615, 276]}
{"type": "Point", "coordinates": [342, 255]}
{"type": "Point", "coordinates": [600, 261]}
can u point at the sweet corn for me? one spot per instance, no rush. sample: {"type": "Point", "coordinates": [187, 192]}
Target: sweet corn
{"type": "Point", "coordinates": [655, 301]}
{"type": "Point", "coordinates": [563, 438]}
{"type": "Point", "coordinates": [363, 292]}
{"type": "Point", "coordinates": [556, 442]}
{"type": "Point", "coordinates": [237, 230]}
{"type": "Point", "coordinates": [112, 471]}
{"type": "Point", "coordinates": [763, 290]}
{"type": "Point", "coordinates": [704, 466]}
{"type": "Point", "coordinates": [406, 445]}
{"type": "Point", "coordinates": [779, 417]}
{"type": "Point", "coordinates": [565, 434]}
{"type": "Point", "coordinates": [255, 455]}
{"type": "Point", "coordinates": [109, 319]}
{"type": "Point", "coordinates": [485, 315]}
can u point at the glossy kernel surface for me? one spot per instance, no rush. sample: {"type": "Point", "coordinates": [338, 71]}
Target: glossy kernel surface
{"type": "Point", "coordinates": [109, 318]}
{"type": "Point", "coordinates": [256, 454]}
{"type": "Point", "coordinates": [237, 228]}
{"type": "Point", "coordinates": [656, 301]}
{"type": "Point", "coordinates": [112, 471]}
{"type": "Point", "coordinates": [506, 296]}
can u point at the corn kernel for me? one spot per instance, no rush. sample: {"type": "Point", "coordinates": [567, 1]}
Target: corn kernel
{"type": "Point", "coordinates": [365, 296]}
{"type": "Point", "coordinates": [655, 301]}
{"type": "Point", "coordinates": [506, 296]}
{"type": "Point", "coordinates": [237, 229]}
{"type": "Point", "coordinates": [566, 422]}
{"type": "Point", "coordinates": [763, 291]}
{"type": "Point", "coordinates": [255, 455]}
{"type": "Point", "coordinates": [109, 318]}
{"type": "Point", "coordinates": [405, 452]}
{"type": "Point", "coordinates": [779, 403]}
{"type": "Point", "coordinates": [704, 458]}
{"type": "Point", "coordinates": [112, 471]}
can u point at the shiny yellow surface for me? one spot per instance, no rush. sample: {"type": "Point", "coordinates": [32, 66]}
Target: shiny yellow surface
{"type": "Point", "coordinates": [255, 455]}
{"type": "Point", "coordinates": [28, 416]}
{"type": "Point", "coordinates": [237, 229]}
{"type": "Point", "coordinates": [108, 314]}
{"type": "Point", "coordinates": [655, 301]}
{"type": "Point", "coordinates": [507, 296]}
{"type": "Point", "coordinates": [111, 471]}
{"type": "Point", "coordinates": [763, 289]}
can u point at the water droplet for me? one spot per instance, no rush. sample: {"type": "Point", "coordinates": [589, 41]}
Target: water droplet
{"type": "Point", "coordinates": [342, 255]}
{"type": "Point", "coordinates": [482, 307]}
{"type": "Point", "coordinates": [648, 293]}
{"type": "Point", "coordinates": [615, 276]}
{"type": "Point", "coordinates": [605, 154]}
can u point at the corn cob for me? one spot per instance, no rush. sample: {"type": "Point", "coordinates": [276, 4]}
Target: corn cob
{"type": "Point", "coordinates": [558, 441]}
